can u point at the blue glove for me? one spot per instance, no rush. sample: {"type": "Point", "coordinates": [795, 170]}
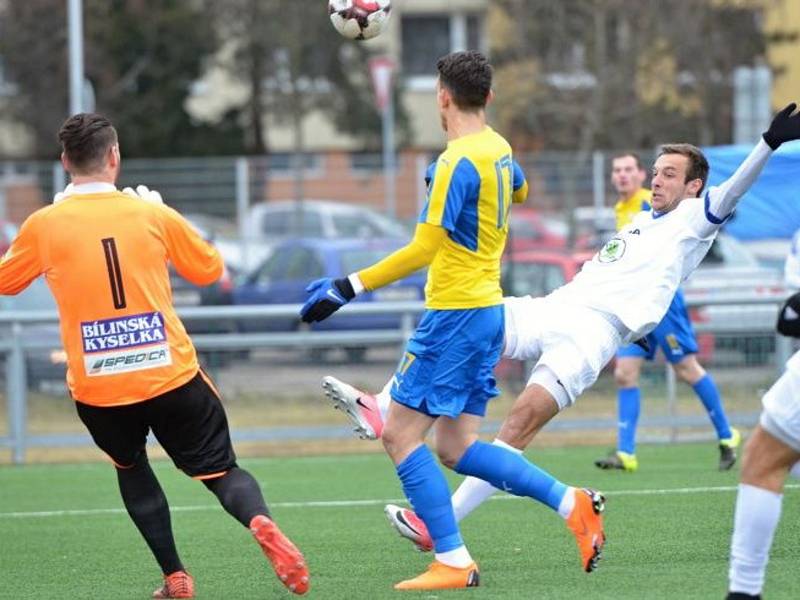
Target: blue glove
{"type": "Point", "coordinates": [327, 296]}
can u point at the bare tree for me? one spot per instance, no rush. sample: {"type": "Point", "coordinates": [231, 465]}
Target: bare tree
{"type": "Point", "coordinates": [614, 73]}
{"type": "Point", "coordinates": [294, 63]}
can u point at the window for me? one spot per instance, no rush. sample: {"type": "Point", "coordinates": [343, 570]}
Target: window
{"type": "Point", "coordinates": [285, 161]}
{"type": "Point", "coordinates": [303, 263]}
{"type": "Point", "coordinates": [357, 259]}
{"type": "Point", "coordinates": [354, 226]}
{"type": "Point", "coordinates": [276, 223]}
{"type": "Point", "coordinates": [523, 230]}
{"type": "Point", "coordinates": [366, 161]}
{"type": "Point", "coordinates": [271, 269]}
{"type": "Point", "coordinates": [427, 37]}
{"type": "Point", "coordinates": [536, 279]}
{"type": "Point", "coordinates": [305, 223]}
{"type": "Point", "coordinates": [424, 39]}
{"type": "Point", "coordinates": [553, 278]}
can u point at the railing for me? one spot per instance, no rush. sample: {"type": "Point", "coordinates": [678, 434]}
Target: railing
{"type": "Point", "coordinates": [16, 345]}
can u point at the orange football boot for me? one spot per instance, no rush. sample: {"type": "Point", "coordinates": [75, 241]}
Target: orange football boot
{"type": "Point", "coordinates": [586, 522]}
{"type": "Point", "coordinates": [439, 576]}
{"type": "Point", "coordinates": [176, 585]}
{"type": "Point", "coordinates": [286, 559]}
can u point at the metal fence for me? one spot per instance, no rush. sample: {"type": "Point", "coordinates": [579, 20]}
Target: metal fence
{"type": "Point", "coordinates": [270, 380]}
{"type": "Point", "coordinates": [226, 186]}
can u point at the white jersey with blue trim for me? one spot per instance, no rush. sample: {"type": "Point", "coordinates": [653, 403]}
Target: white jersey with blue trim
{"type": "Point", "coordinates": [637, 273]}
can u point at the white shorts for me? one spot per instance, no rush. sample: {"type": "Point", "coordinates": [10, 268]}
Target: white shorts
{"type": "Point", "coordinates": [574, 342]}
{"type": "Point", "coordinates": [781, 414]}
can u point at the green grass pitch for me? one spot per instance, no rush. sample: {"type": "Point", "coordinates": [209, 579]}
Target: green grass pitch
{"type": "Point", "coordinates": [63, 534]}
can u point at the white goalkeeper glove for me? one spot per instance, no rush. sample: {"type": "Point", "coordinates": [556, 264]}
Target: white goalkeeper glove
{"type": "Point", "coordinates": [142, 192]}
{"type": "Point", "coordinates": [59, 196]}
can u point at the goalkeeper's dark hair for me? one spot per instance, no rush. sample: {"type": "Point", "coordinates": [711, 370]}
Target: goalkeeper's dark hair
{"type": "Point", "coordinates": [85, 139]}
{"type": "Point", "coordinates": [698, 164]}
{"type": "Point", "coordinates": [468, 77]}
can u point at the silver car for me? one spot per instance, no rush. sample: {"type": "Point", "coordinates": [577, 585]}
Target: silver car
{"type": "Point", "coordinates": [280, 219]}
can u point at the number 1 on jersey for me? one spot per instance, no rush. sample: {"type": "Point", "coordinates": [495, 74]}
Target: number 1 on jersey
{"type": "Point", "coordinates": [114, 273]}
{"type": "Point", "coordinates": [503, 188]}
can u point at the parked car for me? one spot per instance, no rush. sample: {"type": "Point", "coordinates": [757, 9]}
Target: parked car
{"type": "Point", "coordinates": [322, 219]}
{"type": "Point", "coordinates": [241, 255]}
{"type": "Point", "coordinates": [770, 253]}
{"type": "Point", "coordinates": [46, 366]}
{"type": "Point", "coordinates": [539, 272]}
{"type": "Point", "coordinates": [531, 230]}
{"type": "Point", "coordinates": [728, 269]}
{"type": "Point", "coordinates": [283, 277]}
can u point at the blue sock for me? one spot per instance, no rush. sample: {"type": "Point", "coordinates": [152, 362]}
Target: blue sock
{"type": "Point", "coordinates": [511, 472]}
{"type": "Point", "coordinates": [628, 403]}
{"type": "Point", "coordinates": [708, 393]}
{"type": "Point", "coordinates": [427, 490]}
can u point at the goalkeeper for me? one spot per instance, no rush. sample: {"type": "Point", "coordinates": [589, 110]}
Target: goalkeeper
{"type": "Point", "coordinates": [131, 368]}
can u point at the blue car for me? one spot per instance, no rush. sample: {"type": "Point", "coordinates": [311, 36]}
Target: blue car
{"type": "Point", "coordinates": [283, 277]}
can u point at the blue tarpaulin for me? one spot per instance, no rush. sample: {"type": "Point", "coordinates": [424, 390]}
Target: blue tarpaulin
{"type": "Point", "coordinates": [771, 208]}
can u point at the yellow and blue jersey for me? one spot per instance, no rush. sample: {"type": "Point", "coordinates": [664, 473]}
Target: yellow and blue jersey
{"type": "Point", "coordinates": [626, 210]}
{"type": "Point", "coordinates": [471, 187]}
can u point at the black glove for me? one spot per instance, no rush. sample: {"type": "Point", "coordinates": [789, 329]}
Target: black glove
{"type": "Point", "coordinates": [783, 128]}
{"type": "Point", "coordinates": [327, 296]}
{"type": "Point", "coordinates": [789, 317]}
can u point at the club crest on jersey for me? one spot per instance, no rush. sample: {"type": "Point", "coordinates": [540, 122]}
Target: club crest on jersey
{"type": "Point", "coordinates": [612, 251]}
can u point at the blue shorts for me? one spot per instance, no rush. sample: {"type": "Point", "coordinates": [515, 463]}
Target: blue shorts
{"type": "Point", "coordinates": [674, 335]}
{"type": "Point", "coordinates": [448, 366]}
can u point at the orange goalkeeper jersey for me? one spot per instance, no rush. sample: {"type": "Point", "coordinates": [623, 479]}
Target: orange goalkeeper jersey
{"type": "Point", "coordinates": [104, 255]}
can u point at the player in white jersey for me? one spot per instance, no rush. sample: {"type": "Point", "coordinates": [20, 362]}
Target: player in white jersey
{"type": "Point", "coordinates": [619, 296]}
{"type": "Point", "coordinates": [772, 452]}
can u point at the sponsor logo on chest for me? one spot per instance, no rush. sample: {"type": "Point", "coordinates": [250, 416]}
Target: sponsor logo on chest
{"type": "Point", "coordinates": [130, 343]}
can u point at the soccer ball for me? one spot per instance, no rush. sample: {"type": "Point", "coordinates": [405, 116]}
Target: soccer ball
{"type": "Point", "coordinates": [360, 19]}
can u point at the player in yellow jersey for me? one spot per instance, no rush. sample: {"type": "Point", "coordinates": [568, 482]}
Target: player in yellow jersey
{"type": "Point", "coordinates": [674, 335]}
{"type": "Point", "coordinates": [131, 368]}
{"type": "Point", "coordinates": [445, 377]}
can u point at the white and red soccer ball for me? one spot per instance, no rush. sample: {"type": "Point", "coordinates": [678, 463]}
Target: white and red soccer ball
{"type": "Point", "coordinates": [360, 19]}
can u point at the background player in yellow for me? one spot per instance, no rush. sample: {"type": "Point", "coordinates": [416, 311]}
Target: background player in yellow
{"type": "Point", "coordinates": [446, 375]}
{"type": "Point", "coordinates": [674, 335]}
{"type": "Point", "coordinates": [131, 366]}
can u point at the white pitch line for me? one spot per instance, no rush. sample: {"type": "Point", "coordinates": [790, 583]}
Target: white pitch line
{"type": "Point", "coordinates": [348, 503]}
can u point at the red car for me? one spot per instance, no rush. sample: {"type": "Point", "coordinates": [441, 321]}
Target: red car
{"type": "Point", "coordinates": [539, 272]}
{"type": "Point", "coordinates": [532, 230]}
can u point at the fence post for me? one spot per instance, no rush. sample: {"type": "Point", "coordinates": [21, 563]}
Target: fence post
{"type": "Point", "coordinates": [672, 404]}
{"type": "Point", "coordinates": [242, 204]}
{"type": "Point", "coordinates": [598, 184]}
{"type": "Point", "coordinates": [422, 189]}
{"type": "Point", "coordinates": [59, 178]}
{"type": "Point", "coordinates": [407, 327]}
{"type": "Point", "coordinates": [17, 386]}
{"type": "Point", "coordinates": [783, 350]}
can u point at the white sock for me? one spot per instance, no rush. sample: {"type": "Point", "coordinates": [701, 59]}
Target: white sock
{"type": "Point", "coordinates": [567, 503]}
{"type": "Point", "coordinates": [458, 558]}
{"type": "Point", "coordinates": [795, 470]}
{"type": "Point", "coordinates": [384, 399]}
{"type": "Point", "coordinates": [757, 514]}
{"type": "Point", "coordinates": [473, 491]}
